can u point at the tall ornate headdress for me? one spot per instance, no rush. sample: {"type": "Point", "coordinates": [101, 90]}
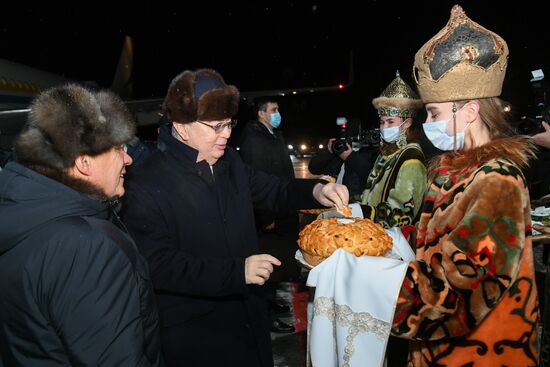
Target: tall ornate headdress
{"type": "Point", "coordinates": [397, 100]}
{"type": "Point", "coordinates": [463, 61]}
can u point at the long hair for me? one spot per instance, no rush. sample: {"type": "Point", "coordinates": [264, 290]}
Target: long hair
{"type": "Point", "coordinates": [491, 112]}
{"type": "Point", "coordinates": [492, 115]}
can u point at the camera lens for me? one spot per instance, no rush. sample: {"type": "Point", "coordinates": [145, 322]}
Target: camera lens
{"type": "Point", "coordinates": [338, 147]}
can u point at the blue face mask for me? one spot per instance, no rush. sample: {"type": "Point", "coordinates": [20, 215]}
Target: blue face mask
{"type": "Point", "coordinates": [275, 120]}
{"type": "Point", "coordinates": [391, 134]}
{"type": "Point", "coordinates": [436, 132]}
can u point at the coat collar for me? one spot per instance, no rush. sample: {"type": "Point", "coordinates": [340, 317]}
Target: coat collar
{"type": "Point", "coordinates": [261, 128]}
{"type": "Point", "coordinates": [167, 142]}
{"type": "Point", "coordinates": [519, 149]}
{"type": "Point", "coordinates": [187, 154]}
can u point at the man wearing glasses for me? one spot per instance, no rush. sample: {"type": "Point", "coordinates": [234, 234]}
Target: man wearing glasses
{"type": "Point", "coordinates": [189, 206]}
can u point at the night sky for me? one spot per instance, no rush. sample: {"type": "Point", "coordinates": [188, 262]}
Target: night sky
{"type": "Point", "coordinates": [267, 45]}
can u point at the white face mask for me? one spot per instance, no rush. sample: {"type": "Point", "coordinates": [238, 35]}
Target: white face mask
{"type": "Point", "coordinates": [390, 134]}
{"type": "Point", "coordinates": [436, 132]}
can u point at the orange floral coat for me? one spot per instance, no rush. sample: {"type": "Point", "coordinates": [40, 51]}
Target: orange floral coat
{"type": "Point", "coordinates": [470, 298]}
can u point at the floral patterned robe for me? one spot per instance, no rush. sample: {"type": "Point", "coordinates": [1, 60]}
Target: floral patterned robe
{"type": "Point", "coordinates": [470, 297]}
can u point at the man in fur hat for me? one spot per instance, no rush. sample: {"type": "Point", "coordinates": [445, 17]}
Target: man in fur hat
{"type": "Point", "coordinates": [75, 291]}
{"type": "Point", "coordinates": [190, 208]}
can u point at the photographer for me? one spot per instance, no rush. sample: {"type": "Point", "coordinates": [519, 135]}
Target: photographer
{"type": "Point", "coordinates": [348, 162]}
{"type": "Point", "coordinates": [534, 125]}
{"type": "Point", "coordinates": [543, 138]}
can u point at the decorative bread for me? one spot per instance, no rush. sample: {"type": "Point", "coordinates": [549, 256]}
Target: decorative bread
{"type": "Point", "coordinates": [319, 239]}
{"type": "Point", "coordinates": [345, 211]}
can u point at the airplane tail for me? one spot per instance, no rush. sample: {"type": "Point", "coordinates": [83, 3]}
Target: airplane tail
{"type": "Point", "coordinates": [122, 81]}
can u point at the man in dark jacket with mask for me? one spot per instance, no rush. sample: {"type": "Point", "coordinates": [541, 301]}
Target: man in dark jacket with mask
{"type": "Point", "coordinates": [189, 206]}
{"type": "Point", "coordinates": [74, 289]}
{"type": "Point", "coordinates": [263, 148]}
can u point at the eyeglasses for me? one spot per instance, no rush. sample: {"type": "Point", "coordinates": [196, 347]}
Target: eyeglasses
{"type": "Point", "coordinates": [218, 128]}
{"type": "Point", "coordinates": [122, 147]}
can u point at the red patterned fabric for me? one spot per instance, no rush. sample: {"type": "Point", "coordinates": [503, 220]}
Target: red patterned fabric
{"type": "Point", "coordinates": [470, 298]}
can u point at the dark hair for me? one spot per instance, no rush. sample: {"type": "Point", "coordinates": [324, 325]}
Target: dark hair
{"type": "Point", "coordinates": [260, 103]}
{"type": "Point", "coordinates": [413, 134]}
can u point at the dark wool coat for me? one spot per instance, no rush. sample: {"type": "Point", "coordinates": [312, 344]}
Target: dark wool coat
{"type": "Point", "coordinates": [196, 228]}
{"type": "Point", "coordinates": [73, 288]}
{"type": "Point", "coordinates": [267, 152]}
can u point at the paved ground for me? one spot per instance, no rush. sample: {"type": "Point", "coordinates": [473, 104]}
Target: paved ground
{"type": "Point", "coordinates": [289, 350]}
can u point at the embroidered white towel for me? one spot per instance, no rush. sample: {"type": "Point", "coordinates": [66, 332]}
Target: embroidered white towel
{"type": "Point", "coordinates": [354, 304]}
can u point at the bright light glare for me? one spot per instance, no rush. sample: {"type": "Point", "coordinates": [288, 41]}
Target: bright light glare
{"type": "Point", "coordinates": [321, 146]}
{"type": "Point", "coordinates": [290, 146]}
{"type": "Point", "coordinates": [303, 147]}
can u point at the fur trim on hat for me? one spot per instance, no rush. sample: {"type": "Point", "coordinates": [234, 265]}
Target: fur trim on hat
{"type": "Point", "coordinates": [397, 100]}
{"type": "Point", "coordinates": [70, 120]}
{"type": "Point", "coordinates": [401, 103]}
{"type": "Point", "coordinates": [214, 104]}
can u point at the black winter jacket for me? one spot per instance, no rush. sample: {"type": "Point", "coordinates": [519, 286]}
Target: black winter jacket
{"type": "Point", "coordinates": [74, 289]}
{"type": "Point", "coordinates": [268, 152]}
{"type": "Point", "coordinates": [356, 168]}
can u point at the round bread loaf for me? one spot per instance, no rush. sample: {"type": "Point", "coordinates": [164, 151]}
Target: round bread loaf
{"type": "Point", "coordinates": [319, 239]}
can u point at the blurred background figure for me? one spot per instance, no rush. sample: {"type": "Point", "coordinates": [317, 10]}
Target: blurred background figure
{"type": "Point", "coordinates": [349, 158]}
{"type": "Point", "coordinates": [536, 174]}
{"type": "Point", "coordinates": [263, 147]}
{"type": "Point", "coordinates": [543, 138]}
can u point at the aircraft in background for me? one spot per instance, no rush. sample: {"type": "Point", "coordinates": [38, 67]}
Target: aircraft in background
{"type": "Point", "coordinates": [19, 84]}
{"type": "Point", "coordinates": [147, 110]}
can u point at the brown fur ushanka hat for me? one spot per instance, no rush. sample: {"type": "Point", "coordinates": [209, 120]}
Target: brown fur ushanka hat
{"type": "Point", "coordinates": [67, 121]}
{"type": "Point", "coordinates": [200, 95]}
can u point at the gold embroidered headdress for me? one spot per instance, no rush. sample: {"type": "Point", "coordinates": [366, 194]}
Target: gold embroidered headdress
{"type": "Point", "coordinates": [397, 100]}
{"type": "Point", "coordinates": [463, 61]}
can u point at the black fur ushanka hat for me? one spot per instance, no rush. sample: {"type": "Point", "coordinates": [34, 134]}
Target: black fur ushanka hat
{"type": "Point", "coordinates": [200, 95]}
{"type": "Point", "coordinates": [67, 121]}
